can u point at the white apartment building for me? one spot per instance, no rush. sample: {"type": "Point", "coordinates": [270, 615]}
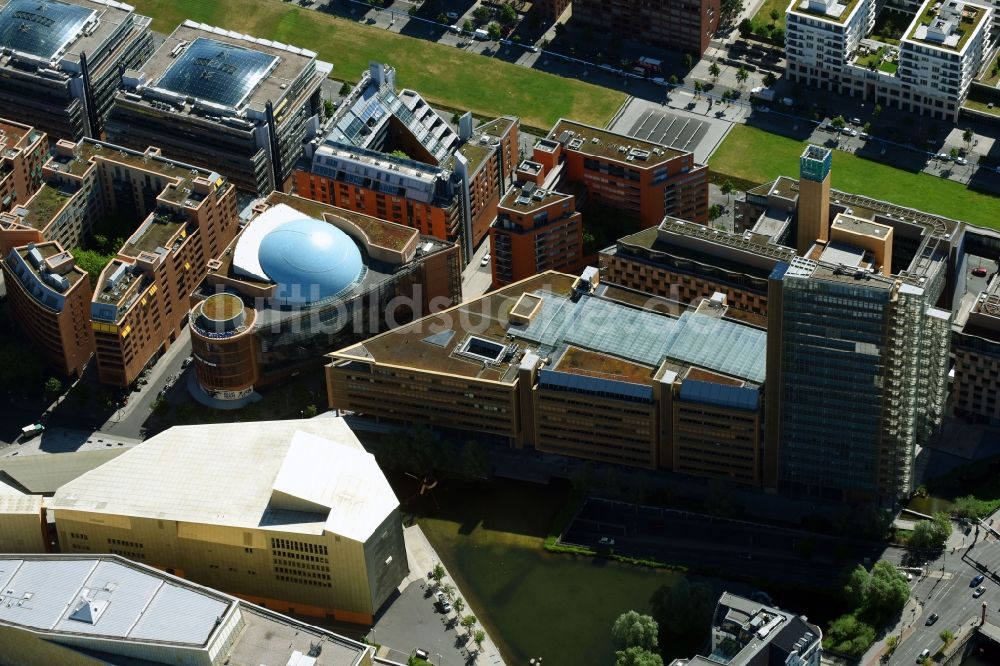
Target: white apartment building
{"type": "Point", "coordinates": [939, 55]}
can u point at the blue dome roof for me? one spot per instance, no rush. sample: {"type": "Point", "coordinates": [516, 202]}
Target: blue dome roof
{"type": "Point", "coordinates": [310, 261]}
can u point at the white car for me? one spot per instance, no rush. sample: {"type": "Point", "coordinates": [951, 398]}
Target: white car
{"type": "Point", "coordinates": [606, 541]}
{"type": "Point", "coordinates": [485, 260]}
{"type": "Point", "coordinates": [961, 161]}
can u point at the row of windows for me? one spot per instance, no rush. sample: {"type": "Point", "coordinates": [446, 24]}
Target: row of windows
{"type": "Point", "coordinates": [298, 556]}
{"type": "Point", "coordinates": [286, 544]}
{"type": "Point", "coordinates": [127, 544]}
{"type": "Point", "coordinates": [300, 581]}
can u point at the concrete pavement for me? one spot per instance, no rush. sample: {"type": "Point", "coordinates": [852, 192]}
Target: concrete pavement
{"type": "Point", "coordinates": [402, 627]}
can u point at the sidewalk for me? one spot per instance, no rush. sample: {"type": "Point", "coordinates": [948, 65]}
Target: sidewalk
{"type": "Point", "coordinates": [422, 559]}
{"type": "Point", "coordinates": [902, 628]}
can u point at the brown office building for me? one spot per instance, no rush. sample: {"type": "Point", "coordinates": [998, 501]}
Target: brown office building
{"type": "Point", "coordinates": [642, 180]}
{"type": "Point", "coordinates": [445, 184]}
{"type": "Point", "coordinates": [537, 364]}
{"type": "Point", "coordinates": [536, 230]}
{"type": "Point", "coordinates": [50, 300]}
{"type": "Point", "coordinates": [23, 149]}
{"type": "Point", "coordinates": [685, 25]}
{"type": "Point", "coordinates": [302, 278]}
{"type": "Point", "coordinates": [976, 354]}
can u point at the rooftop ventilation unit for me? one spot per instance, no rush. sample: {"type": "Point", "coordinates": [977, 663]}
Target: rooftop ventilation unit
{"type": "Point", "coordinates": [116, 277]}
{"type": "Point", "coordinates": [638, 154]}
{"type": "Point", "coordinates": [60, 283]}
{"type": "Point", "coordinates": [576, 144]}
{"type": "Point", "coordinates": [35, 257]}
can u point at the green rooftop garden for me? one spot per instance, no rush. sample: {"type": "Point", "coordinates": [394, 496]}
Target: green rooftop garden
{"type": "Point", "coordinates": [971, 17]}
{"type": "Point", "coordinates": [44, 205]}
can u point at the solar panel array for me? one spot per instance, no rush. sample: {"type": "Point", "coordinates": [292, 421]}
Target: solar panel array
{"type": "Point", "coordinates": [217, 72]}
{"type": "Point", "coordinates": [41, 27]}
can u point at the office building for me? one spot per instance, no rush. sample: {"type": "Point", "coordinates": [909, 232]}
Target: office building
{"type": "Point", "coordinates": [302, 278]}
{"type": "Point", "coordinates": [231, 103]}
{"type": "Point", "coordinates": [845, 340]}
{"type": "Point", "coordinates": [641, 180]}
{"type": "Point", "coordinates": [688, 25]}
{"type": "Point", "coordinates": [976, 351]}
{"type": "Point", "coordinates": [747, 632]}
{"type": "Point", "coordinates": [49, 299]}
{"type": "Point", "coordinates": [551, 10]}
{"type": "Point", "coordinates": [387, 153]}
{"type": "Point", "coordinates": [939, 55]}
{"type": "Point", "coordinates": [22, 522]}
{"type": "Point", "coordinates": [570, 366]}
{"type": "Point", "coordinates": [95, 610]}
{"type": "Point", "coordinates": [536, 230]}
{"type": "Point", "coordinates": [61, 61]}
{"type": "Point", "coordinates": [23, 149]}
{"type": "Point", "coordinates": [292, 515]}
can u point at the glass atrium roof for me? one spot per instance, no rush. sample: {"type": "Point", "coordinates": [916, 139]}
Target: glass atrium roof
{"type": "Point", "coordinates": [217, 72]}
{"type": "Point", "coordinates": [42, 28]}
{"type": "Point", "coordinates": [648, 337]}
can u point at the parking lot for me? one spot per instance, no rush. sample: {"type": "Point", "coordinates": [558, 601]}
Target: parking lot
{"type": "Point", "coordinates": [669, 129]}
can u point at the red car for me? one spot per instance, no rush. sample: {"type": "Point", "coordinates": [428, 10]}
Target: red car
{"type": "Point", "coordinates": [979, 271]}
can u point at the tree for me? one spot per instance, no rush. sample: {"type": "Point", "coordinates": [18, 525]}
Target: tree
{"type": "Point", "coordinates": [745, 28]}
{"type": "Point", "coordinates": [891, 642]}
{"type": "Point", "coordinates": [727, 188]}
{"type": "Point", "coordinates": [479, 637]}
{"type": "Point", "coordinates": [448, 589]}
{"type": "Point", "coordinates": [698, 88]}
{"type": "Point", "coordinates": [688, 61]}
{"type": "Point", "coordinates": [413, 10]}
{"type": "Point", "coordinates": [494, 30]}
{"type": "Point", "coordinates": [838, 122]}
{"type": "Point", "coordinates": [53, 389]}
{"type": "Point", "coordinates": [967, 136]}
{"type": "Point", "coordinates": [762, 31]}
{"type": "Point", "coordinates": [953, 153]}
{"type": "Point", "coordinates": [636, 656]}
{"type": "Point", "coordinates": [508, 16]}
{"type": "Point", "coordinates": [742, 75]}
{"type": "Point", "coordinates": [714, 71]}
{"type": "Point", "coordinates": [468, 622]}
{"type": "Point", "coordinates": [467, 26]}
{"type": "Point", "coordinates": [946, 637]}
{"type": "Point", "coordinates": [673, 81]}
{"type": "Point", "coordinates": [931, 534]}
{"type": "Point", "coordinates": [91, 261]}
{"type": "Point", "coordinates": [458, 605]}
{"type": "Point", "coordinates": [309, 411]}
{"type": "Point", "coordinates": [775, 14]}
{"type": "Point", "coordinates": [866, 128]}
{"type": "Point", "coordinates": [849, 635]}
{"type": "Point", "coordinates": [770, 79]}
{"type": "Point", "coordinates": [159, 406]}
{"type": "Point", "coordinates": [715, 211]}
{"type": "Point", "coordinates": [682, 610]}
{"type": "Point", "coordinates": [327, 108]}
{"type": "Point", "coordinates": [345, 89]}
{"type": "Point", "coordinates": [876, 111]}
{"type": "Point", "coordinates": [438, 573]}
{"type": "Point", "coordinates": [856, 589]}
{"type": "Point", "coordinates": [778, 36]}
{"type": "Point", "coordinates": [887, 593]}
{"type": "Point", "coordinates": [483, 14]}
{"type": "Point", "coordinates": [442, 18]}
{"type": "Point", "coordinates": [632, 629]}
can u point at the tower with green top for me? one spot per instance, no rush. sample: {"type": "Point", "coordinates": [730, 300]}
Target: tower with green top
{"type": "Point", "coordinates": [814, 197]}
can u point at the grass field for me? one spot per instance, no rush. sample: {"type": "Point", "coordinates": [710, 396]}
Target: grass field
{"type": "Point", "coordinates": [758, 156]}
{"type": "Point", "coordinates": [763, 15]}
{"type": "Point", "coordinates": [445, 75]}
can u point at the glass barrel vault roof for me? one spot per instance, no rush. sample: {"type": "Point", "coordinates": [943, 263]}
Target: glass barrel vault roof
{"type": "Point", "coordinates": [41, 28]}
{"type": "Point", "coordinates": [217, 72]}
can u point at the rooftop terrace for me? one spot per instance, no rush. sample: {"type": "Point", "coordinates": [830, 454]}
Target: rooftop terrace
{"type": "Point", "coordinates": [530, 198]}
{"type": "Point", "coordinates": [837, 11]}
{"type": "Point", "coordinates": [44, 205]}
{"type": "Point", "coordinates": [593, 364]}
{"type": "Point", "coordinates": [48, 251]}
{"type": "Point", "coordinates": [12, 135]}
{"type": "Point", "coordinates": [936, 19]}
{"type": "Point", "coordinates": [156, 232]}
{"type": "Point", "coordinates": [602, 143]}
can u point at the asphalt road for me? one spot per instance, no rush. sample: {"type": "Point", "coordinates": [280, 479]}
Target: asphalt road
{"type": "Point", "coordinates": [413, 621]}
{"type": "Point", "coordinates": [721, 546]}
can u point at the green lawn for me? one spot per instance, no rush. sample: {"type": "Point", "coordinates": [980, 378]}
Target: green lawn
{"type": "Point", "coordinates": [445, 75]}
{"type": "Point", "coordinates": [763, 15]}
{"type": "Point", "coordinates": [758, 156]}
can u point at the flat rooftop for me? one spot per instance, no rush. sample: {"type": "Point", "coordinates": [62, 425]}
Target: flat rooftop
{"type": "Point", "coordinates": [461, 340]}
{"type": "Point", "coordinates": [105, 603]}
{"type": "Point", "coordinates": [124, 601]}
{"type": "Point", "coordinates": [57, 30]}
{"type": "Point", "coordinates": [483, 141]}
{"type": "Point", "coordinates": [15, 135]}
{"type": "Point", "coordinates": [273, 468]}
{"type": "Point", "coordinates": [836, 11]}
{"type": "Point", "coordinates": [860, 226]}
{"type": "Point", "coordinates": [934, 18]}
{"type": "Point", "coordinates": [603, 143]}
{"type": "Point", "coordinates": [44, 204]}
{"type": "Point", "coordinates": [225, 68]}
{"type": "Point", "coordinates": [158, 231]}
{"type": "Point", "coordinates": [47, 251]}
{"type": "Point", "coordinates": [530, 198]}
{"type": "Point", "coordinates": [783, 186]}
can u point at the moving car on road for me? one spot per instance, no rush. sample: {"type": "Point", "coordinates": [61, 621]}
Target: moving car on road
{"type": "Point", "coordinates": [979, 592]}
{"type": "Point", "coordinates": [931, 619]}
{"type": "Point", "coordinates": [977, 580]}
{"type": "Point", "coordinates": [923, 655]}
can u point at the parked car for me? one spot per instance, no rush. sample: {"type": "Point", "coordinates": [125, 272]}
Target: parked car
{"type": "Point", "coordinates": [847, 131]}
{"type": "Point", "coordinates": [977, 580]}
{"type": "Point", "coordinates": [980, 271]}
{"type": "Point", "coordinates": [961, 161]}
{"type": "Point", "coordinates": [443, 603]}
{"type": "Point", "coordinates": [945, 157]}
{"type": "Point", "coordinates": [485, 260]}
{"type": "Point", "coordinates": [856, 121]}
{"type": "Point", "coordinates": [452, 16]}
{"type": "Point", "coordinates": [931, 619]}
{"type": "Point", "coordinates": [979, 591]}
{"type": "Point", "coordinates": [923, 655]}
{"type": "Point", "coordinates": [606, 541]}
{"type": "Point", "coordinates": [422, 654]}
